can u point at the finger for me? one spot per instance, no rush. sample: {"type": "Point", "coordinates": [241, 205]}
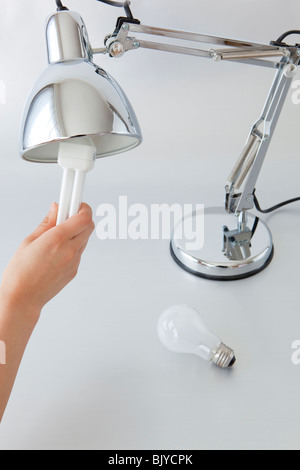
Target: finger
{"type": "Point", "coordinates": [83, 238]}
{"type": "Point", "coordinates": [48, 223]}
{"type": "Point", "coordinates": [82, 249]}
{"type": "Point", "coordinates": [78, 223]}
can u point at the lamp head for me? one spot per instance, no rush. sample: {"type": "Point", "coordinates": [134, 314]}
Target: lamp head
{"type": "Point", "coordinates": [75, 99]}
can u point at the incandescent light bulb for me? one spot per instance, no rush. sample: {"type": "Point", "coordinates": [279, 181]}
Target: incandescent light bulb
{"type": "Point", "coordinates": [181, 329]}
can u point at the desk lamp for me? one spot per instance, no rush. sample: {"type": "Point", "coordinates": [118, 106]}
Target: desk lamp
{"type": "Point", "coordinates": [237, 243]}
{"type": "Point", "coordinates": [76, 112]}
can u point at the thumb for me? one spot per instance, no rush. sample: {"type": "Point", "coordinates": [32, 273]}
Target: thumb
{"type": "Point", "coordinates": [48, 222]}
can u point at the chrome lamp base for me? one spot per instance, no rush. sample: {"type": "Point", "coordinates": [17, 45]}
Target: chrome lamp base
{"type": "Point", "coordinates": [228, 253]}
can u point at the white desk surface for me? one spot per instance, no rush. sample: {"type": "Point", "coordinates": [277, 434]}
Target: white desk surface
{"type": "Point", "coordinates": [94, 375]}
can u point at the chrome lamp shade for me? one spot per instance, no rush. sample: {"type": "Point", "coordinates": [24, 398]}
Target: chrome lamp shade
{"type": "Point", "coordinates": [75, 99]}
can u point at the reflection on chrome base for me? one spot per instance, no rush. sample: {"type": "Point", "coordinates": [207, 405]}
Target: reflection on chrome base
{"type": "Point", "coordinates": [232, 250]}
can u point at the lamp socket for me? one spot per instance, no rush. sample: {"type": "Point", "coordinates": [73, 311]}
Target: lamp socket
{"type": "Point", "coordinates": [78, 154]}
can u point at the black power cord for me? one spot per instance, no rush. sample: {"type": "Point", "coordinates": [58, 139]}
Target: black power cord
{"type": "Point", "coordinates": [60, 6]}
{"type": "Point", "coordinates": [274, 208]}
{"type": "Point", "coordinates": [113, 3]}
{"type": "Point", "coordinates": [288, 33]}
{"type": "Point", "coordinates": [125, 5]}
{"type": "Point", "coordinates": [267, 211]}
{"type": "Point", "coordinates": [280, 43]}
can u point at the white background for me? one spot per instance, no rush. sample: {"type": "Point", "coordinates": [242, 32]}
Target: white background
{"type": "Point", "coordinates": [94, 375]}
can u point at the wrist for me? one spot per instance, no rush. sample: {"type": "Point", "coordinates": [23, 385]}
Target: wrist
{"type": "Point", "coordinates": [19, 307]}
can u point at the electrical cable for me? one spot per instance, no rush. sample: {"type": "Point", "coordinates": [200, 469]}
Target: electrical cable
{"type": "Point", "coordinates": [288, 33]}
{"type": "Point", "coordinates": [124, 5]}
{"type": "Point", "coordinates": [113, 3]}
{"type": "Point", "coordinates": [60, 6]}
{"type": "Point", "coordinates": [280, 43]}
{"type": "Point", "coordinates": [274, 208]}
{"type": "Point", "coordinates": [255, 225]}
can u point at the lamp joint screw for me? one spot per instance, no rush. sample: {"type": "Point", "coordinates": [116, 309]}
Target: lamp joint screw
{"type": "Point", "coordinates": [125, 26]}
{"type": "Point", "coordinates": [217, 56]}
{"type": "Point", "coordinates": [136, 45]}
{"type": "Point", "coordinates": [116, 49]}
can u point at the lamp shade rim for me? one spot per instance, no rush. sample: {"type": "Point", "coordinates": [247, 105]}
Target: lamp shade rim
{"type": "Point", "coordinates": [28, 154]}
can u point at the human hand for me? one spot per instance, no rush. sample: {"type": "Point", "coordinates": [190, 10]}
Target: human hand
{"type": "Point", "coordinates": [47, 260]}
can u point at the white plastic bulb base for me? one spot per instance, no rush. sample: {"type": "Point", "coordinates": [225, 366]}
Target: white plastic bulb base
{"type": "Point", "coordinates": [76, 157]}
{"type": "Point", "coordinates": [181, 329]}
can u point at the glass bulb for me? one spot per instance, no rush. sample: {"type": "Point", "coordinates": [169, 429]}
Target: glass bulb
{"type": "Point", "coordinates": [181, 329]}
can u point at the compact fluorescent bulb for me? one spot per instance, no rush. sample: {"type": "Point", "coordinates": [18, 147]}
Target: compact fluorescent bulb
{"type": "Point", "coordinates": [76, 157]}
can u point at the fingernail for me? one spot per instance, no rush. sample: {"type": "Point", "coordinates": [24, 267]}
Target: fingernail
{"type": "Point", "coordinates": [51, 212]}
{"type": "Point", "coordinates": [52, 208]}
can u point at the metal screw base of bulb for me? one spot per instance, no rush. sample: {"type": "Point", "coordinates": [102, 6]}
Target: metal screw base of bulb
{"type": "Point", "coordinates": [224, 357]}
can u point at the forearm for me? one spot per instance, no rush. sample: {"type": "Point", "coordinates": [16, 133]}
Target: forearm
{"type": "Point", "coordinates": [43, 265]}
{"type": "Point", "coordinates": [17, 323]}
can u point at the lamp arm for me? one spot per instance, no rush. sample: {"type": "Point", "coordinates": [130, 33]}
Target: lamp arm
{"type": "Point", "coordinates": [249, 165]}
{"type": "Point", "coordinates": [279, 56]}
{"type": "Point", "coordinates": [233, 50]}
